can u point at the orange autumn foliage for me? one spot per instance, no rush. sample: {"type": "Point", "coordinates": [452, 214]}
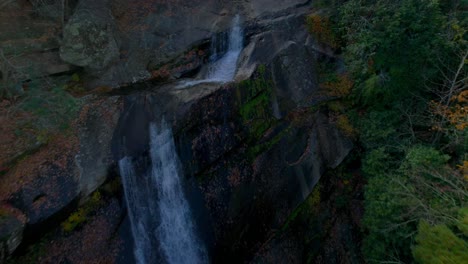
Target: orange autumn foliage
{"type": "Point", "coordinates": [345, 126]}
{"type": "Point", "coordinates": [340, 87]}
{"type": "Point", "coordinates": [456, 113]}
{"type": "Point", "coordinates": [464, 169]}
{"type": "Point", "coordinates": [320, 27]}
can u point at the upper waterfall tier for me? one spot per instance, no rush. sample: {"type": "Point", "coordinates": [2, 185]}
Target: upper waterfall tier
{"type": "Point", "coordinates": [224, 69]}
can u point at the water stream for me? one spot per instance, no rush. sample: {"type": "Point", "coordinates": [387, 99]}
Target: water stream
{"type": "Point", "coordinates": [222, 70]}
{"type": "Point", "coordinates": [159, 213]}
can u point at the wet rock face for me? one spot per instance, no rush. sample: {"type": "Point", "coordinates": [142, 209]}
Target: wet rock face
{"type": "Point", "coordinates": [294, 75]}
{"type": "Point", "coordinates": [326, 228]}
{"type": "Point", "coordinates": [127, 41]}
{"type": "Point", "coordinates": [250, 168]}
{"type": "Point", "coordinates": [281, 45]}
{"type": "Point", "coordinates": [253, 150]}
{"type": "Point", "coordinates": [267, 168]}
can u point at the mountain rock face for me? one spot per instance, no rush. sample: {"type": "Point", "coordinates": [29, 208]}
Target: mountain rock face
{"type": "Point", "coordinates": [247, 170]}
{"type": "Point", "coordinates": [12, 224]}
{"type": "Point", "coordinates": [126, 41]}
{"type": "Point", "coordinates": [251, 150]}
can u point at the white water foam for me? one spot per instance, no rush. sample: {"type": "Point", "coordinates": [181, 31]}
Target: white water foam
{"type": "Point", "coordinates": [224, 69]}
{"type": "Point", "coordinates": [158, 209]}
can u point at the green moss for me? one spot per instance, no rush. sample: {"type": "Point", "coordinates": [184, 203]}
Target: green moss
{"type": "Point", "coordinates": [113, 186]}
{"type": "Point", "coordinates": [256, 149]}
{"type": "Point", "coordinates": [315, 198]}
{"type": "Point", "coordinates": [254, 109]}
{"type": "Point", "coordinates": [292, 217]}
{"type": "Point", "coordinates": [75, 77]}
{"type": "Point", "coordinates": [309, 208]}
{"type": "Point", "coordinates": [254, 97]}
{"type": "Point", "coordinates": [3, 213]}
{"type": "Point", "coordinates": [336, 106]}
{"type": "Point", "coordinates": [53, 107]}
{"type": "Point", "coordinates": [74, 220]}
{"type": "Point", "coordinates": [79, 217]}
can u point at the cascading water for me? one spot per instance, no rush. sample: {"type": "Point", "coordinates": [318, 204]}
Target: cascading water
{"type": "Point", "coordinates": [224, 69]}
{"type": "Point", "coordinates": [158, 210]}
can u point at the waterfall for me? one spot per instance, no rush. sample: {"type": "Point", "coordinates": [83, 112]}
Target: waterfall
{"type": "Point", "coordinates": [158, 210]}
{"type": "Point", "coordinates": [224, 69]}
{"type": "Point", "coordinates": [139, 211]}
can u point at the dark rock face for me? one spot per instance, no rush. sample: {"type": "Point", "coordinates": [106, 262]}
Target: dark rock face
{"type": "Point", "coordinates": [52, 190]}
{"type": "Point", "coordinates": [47, 185]}
{"type": "Point", "coordinates": [11, 231]}
{"type": "Point", "coordinates": [28, 45]}
{"type": "Point", "coordinates": [293, 76]}
{"type": "Point", "coordinates": [325, 228]}
{"type": "Point", "coordinates": [45, 191]}
{"type": "Point", "coordinates": [92, 241]}
{"type": "Point", "coordinates": [95, 242]}
{"type": "Point", "coordinates": [252, 151]}
{"type": "Point", "coordinates": [252, 186]}
{"type": "Point", "coordinates": [94, 158]}
{"type": "Point", "coordinates": [148, 39]}
{"type": "Point", "coordinates": [251, 168]}
{"type": "Point", "coordinates": [282, 45]}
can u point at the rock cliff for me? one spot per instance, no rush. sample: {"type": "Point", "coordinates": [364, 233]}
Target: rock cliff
{"type": "Point", "coordinates": [251, 150]}
{"type": "Point", "coordinates": [126, 41]}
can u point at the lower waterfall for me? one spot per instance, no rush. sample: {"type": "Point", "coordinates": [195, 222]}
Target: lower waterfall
{"type": "Point", "coordinates": [159, 213]}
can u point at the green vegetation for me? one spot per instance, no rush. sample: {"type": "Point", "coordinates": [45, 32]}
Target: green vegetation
{"type": "Point", "coordinates": [46, 109]}
{"type": "Point", "coordinates": [309, 206]}
{"type": "Point", "coordinates": [438, 244]}
{"type": "Point", "coordinates": [408, 107]}
{"type": "Point", "coordinates": [259, 148]}
{"type": "Point", "coordinates": [320, 25]}
{"type": "Point", "coordinates": [315, 198]}
{"type": "Point", "coordinates": [80, 216]}
{"type": "Point", "coordinates": [3, 213]}
{"type": "Point", "coordinates": [54, 108]}
{"type": "Point", "coordinates": [254, 96]}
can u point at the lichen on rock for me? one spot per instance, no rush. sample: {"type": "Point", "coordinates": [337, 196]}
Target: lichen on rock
{"type": "Point", "coordinates": [89, 41]}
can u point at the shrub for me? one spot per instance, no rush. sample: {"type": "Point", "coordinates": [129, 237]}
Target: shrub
{"type": "Point", "coordinates": [79, 217]}
{"type": "Point", "coordinates": [438, 244]}
{"type": "Point", "coordinates": [338, 85]}
{"type": "Point", "coordinates": [74, 220]}
{"type": "Point", "coordinates": [343, 124]}
{"type": "Point", "coordinates": [320, 27]}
